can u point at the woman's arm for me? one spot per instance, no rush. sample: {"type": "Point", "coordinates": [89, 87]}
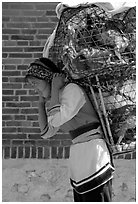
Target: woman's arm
{"type": "Point", "coordinates": [42, 114]}
{"type": "Point", "coordinates": [57, 84]}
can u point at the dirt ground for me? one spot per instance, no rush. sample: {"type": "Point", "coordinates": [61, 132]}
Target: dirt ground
{"type": "Point", "coordinates": [35, 180]}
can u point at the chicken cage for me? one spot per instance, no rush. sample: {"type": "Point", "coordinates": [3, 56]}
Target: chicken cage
{"type": "Point", "coordinates": [97, 49]}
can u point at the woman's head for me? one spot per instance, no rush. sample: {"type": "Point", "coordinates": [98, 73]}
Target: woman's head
{"type": "Point", "coordinates": [39, 75]}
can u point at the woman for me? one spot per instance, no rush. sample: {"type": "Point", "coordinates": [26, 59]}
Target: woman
{"type": "Point", "coordinates": [71, 110]}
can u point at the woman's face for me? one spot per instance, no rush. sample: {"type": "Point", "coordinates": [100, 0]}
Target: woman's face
{"type": "Point", "coordinates": [42, 87]}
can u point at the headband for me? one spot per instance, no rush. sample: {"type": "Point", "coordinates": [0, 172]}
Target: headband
{"type": "Point", "coordinates": [42, 68]}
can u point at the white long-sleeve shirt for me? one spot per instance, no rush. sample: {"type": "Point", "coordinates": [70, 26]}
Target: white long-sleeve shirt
{"type": "Point", "coordinates": [89, 159]}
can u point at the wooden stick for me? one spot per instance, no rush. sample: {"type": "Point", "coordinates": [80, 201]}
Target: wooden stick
{"type": "Point", "coordinates": [104, 112]}
{"type": "Point", "coordinates": [100, 115]}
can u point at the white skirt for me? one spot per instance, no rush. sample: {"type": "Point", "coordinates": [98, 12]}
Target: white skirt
{"type": "Point", "coordinates": [87, 158]}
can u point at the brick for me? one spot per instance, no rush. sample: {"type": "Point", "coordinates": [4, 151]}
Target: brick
{"type": "Point", "coordinates": [47, 6]}
{"type": "Point", "coordinates": [25, 123]}
{"type": "Point", "coordinates": [32, 13]}
{"type": "Point", "coordinates": [128, 156]}
{"type": "Point", "coordinates": [45, 31]}
{"type": "Point", "coordinates": [19, 117]}
{"type": "Point", "coordinates": [62, 136]}
{"type": "Point", "coordinates": [9, 67]}
{"type": "Point", "coordinates": [17, 142]}
{"type": "Point", "coordinates": [54, 142]}
{"type": "Point", "coordinates": [34, 136]}
{"type": "Point", "coordinates": [40, 152]}
{"type": "Point", "coordinates": [3, 124]}
{"type": "Point", "coordinates": [20, 152]}
{"type": "Point", "coordinates": [22, 43]}
{"type": "Point", "coordinates": [10, 31]}
{"type": "Point", "coordinates": [9, 43]}
{"type": "Point", "coordinates": [120, 156]}
{"type": "Point", "coordinates": [42, 142]}
{"type": "Point", "coordinates": [22, 67]}
{"type": "Point", "coordinates": [21, 6]}
{"type": "Point", "coordinates": [20, 55]}
{"type": "Point", "coordinates": [33, 152]}
{"type": "Point", "coordinates": [29, 31]}
{"type": "Point", "coordinates": [22, 37]}
{"type": "Point", "coordinates": [16, 79]}
{"type": "Point", "coordinates": [18, 25]}
{"type": "Point", "coordinates": [6, 152]}
{"type": "Point", "coordinates": [43, 25]}
{"type": "Point", "coordinates": [35, 124]}
{"type": "Point", "coordinates": [46, 152]}
{"type": "Point", "coordinates": [41, 37]}
{"type": "Point", "coordinates": [32, 117]}
{"type": "Point", "coordinates": [11, 73]}
{"type": "Point", "coordinates": [60, 153]}
{"type": "Point", "coordinates": [29, 98]}
{"type": "Point", "coordinates": [13, 104]}
{"type": "Point", "coordinates": [27, 152]}
{"type": "Point", "coordinates": [12, 61]}
{"type": "Point", "coordinates": [5, 19]}
{"type": "Point", "coordinates": [67, 152]}
{"type": "Point", "coordinates": [54, 152]}
{"type": "Point", "coordinates": [53, 19]}
{"type": "Point", "coordinates": [42, 19]}
{"type": "Point", "coordinates": [4, 79]}
{"type": "Point", "coordinates": [9, 98]}
{"type": "Point", "coordinates": [9, 12]}
{"type": "Point", "coordinates": [29, 111]}
{"type": "Point", "coordinates": [23, 19]}
{"type": "Point", "coordinates": [7, 117]}
{"type": "Point", "coordinates": [12, 49]}
{"type": "Point", "coordinates": [12, 86]}
{"type": "Point", "coordinates": [66, 142]}
{"type": "Point", "coordinates": [5, 37]}
{"type": "Point", "coordinates": [21, 92]}
{"type": "Point", "coordinates": [7, 92]}
{"type": "Point", "coordinates": [6, 142]}
{"type": "Point", "coordinates": [34, 43]}
{"type": "Point", "coordinates": [35, 104]}
{"type": "Point", "coordinates": [13, 136]}
{"type": "Point", "coordinates": [5, 5]}
{"type": "Point", "coordinates": [37, 55]}
{"type": "Point", "coordinates": [4, 55]}
{"type": "Point", "coordinates": [10, 111]}
{"type": "Point", "coordinates": [13, 123]}
{"type": "Point", "coordinates": [28, 130]}
{"type": "Point", "coordinates": [33, 49]}
{"type": "Point", "coordinates": [13, 152]}
{"type": "Point", "coordinates": [30, 142]}
{"type": "Point", "coordinates": [26, 62]}
{"type": "Point", "coordinates": [134, 155]}
{"type": "Point", "coordinates": [50, 13]}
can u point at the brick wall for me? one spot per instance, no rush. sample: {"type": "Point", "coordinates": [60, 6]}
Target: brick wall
{"type": "Point", "coordinates": [25, 29]}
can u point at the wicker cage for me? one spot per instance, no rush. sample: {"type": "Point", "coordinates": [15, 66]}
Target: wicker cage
{"type": "Point", "coordinates": [91, 43]}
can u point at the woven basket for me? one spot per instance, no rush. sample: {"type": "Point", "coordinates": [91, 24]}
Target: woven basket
{"type": "Point", "coordinates": [99, 49]}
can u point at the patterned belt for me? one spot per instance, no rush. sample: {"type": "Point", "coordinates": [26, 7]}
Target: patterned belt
{"type": "Point", "coordinates": [86, 133]}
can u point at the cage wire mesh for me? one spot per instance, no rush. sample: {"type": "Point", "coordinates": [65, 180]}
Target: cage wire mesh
{"type": "Point", "coordinates": [91, 42]}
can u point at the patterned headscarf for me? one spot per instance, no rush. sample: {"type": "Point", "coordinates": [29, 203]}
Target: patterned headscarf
{"type": "Point", "coordinates": [42, 68]}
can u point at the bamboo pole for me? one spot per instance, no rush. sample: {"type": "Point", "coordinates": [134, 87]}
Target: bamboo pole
{"type": "Point", "coordinates": [99, 114]}
{"type": "Point", "coordinates": [104, 112]}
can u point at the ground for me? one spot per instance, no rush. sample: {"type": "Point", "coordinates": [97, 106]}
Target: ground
{"type": "Point", "coordinates": [35, 180]}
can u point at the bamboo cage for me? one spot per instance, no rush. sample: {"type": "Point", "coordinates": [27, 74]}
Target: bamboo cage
{"type": "Point", "coordinates": [98, 50]}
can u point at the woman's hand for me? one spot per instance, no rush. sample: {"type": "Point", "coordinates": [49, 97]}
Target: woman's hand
{"type": "Point", "coordinates": [58, 81]}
